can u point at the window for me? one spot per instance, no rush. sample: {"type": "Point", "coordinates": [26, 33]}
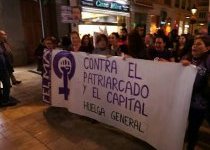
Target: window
{"type": "Point", "coordinates": [177, 3]}
{"type": "Point", "coordinates": [202, 15]}
{"type": "Point", "coordinates": [189, 5]}
{"type": "Point", "coordinates": [167, 2]}
{"type": "Point", "coordinates": [183, 4]}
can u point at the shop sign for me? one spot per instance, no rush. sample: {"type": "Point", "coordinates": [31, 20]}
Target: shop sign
{"type": "Point", "coordinates": [103, 4]}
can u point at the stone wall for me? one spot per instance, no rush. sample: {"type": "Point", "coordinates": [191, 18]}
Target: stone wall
{"type": "Point", "coordinates": [11, 22]}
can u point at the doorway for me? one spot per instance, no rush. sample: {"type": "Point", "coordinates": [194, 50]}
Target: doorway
{"type": "Point", "coordinates": [31, 25]}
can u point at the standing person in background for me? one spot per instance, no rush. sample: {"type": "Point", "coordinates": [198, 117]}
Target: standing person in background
{"type": "Point", "coordinates": [123, 41]}
{"type": "Point", "coordinates": [5, 70]}
{"type": "Point", "coordinates": [39, 54]}
{"type": "Point", "coordinates": [183, 49]}
{"type": "Point", "coordinates": [136, 46]}
{"type": "Point", "coordinates": [123, 36]}
{"type": "Point", "coordinates": [65, 42]}
{"type": "Point", "coordinates": [9, 54]}
{"type": "Point", "coordinates": [86, 44]}
{"type": "Point", "coordinates": [75, 41]}
{"type": "Point", "coordinates": [141, 30]}
{"type": "Point", "coordinates": [114, 44]}
{"type": "Point", "coordinates": [173, 39]}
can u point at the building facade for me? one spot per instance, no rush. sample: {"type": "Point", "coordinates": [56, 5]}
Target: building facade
{"type": "Point", "coordinates": [202, 14]}
{"type": "Point", "coordinates": [165, 14]}
{"type": "Point", "coordinates": [102, 16]}
{"type": "Point", "coordinates": [35, 19]}
{"type": "Point", "coordinates": [27, 27]}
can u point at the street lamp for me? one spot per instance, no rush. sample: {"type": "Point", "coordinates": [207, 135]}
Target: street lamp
{"type": "Point", "coordinates": [194, 10]}
{"type": "Point", "coordinates": [193, 17]}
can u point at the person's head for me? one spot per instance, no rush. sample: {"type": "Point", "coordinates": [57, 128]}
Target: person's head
{"type": "Point", "coordinates": [160, 43]}
{"type": "Point", "coordinates": [101, 41]}
{"type": "Point", "coordinates": [114, 38]}
{"type": "Point", "coordinates": [135, 44]}
{"type": "Point", "coordinates": [201, 45]}
{"type": "Point", "coordinates": [86, 40]}
{"type": "Point", "coordinates": [203, 31]}
{"type": "Point", "coordinates": [76, 13]}
{"type": "Point", "coordinates": [65, 41]}
{"type": "Point", "coordinates": [75, 38]}
{"type": "Point", "coordinates": [149, 39]}
{"type": "Point", "coordinates": [3, 36]}
{"type": "Point", "coordinates": [160, 32]}
{"type": "Point", "coordinates": [182, 39]}
{"type": "Point", "coordinates": [140, 29]}
{"type": "Point", "coordinates": [49, 42]}
{"type": "Point", "coordinates": [123, 33]}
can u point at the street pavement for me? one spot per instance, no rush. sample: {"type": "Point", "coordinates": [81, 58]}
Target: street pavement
{"type": "Point", "coordinates": [34, 125]}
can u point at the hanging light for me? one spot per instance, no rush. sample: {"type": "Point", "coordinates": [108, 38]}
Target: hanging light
{"type": "Point", "coordinates": [193, 10]}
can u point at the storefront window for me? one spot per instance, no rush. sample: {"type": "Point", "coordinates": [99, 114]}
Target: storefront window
{"type": "Point", "coordinates": [100, 23]}
{"type": "Point", "coordinates": [104, 16]}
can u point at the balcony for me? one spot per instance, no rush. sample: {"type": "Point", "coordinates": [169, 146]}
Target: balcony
{"type": "Point", "coordinates": [144, 3]}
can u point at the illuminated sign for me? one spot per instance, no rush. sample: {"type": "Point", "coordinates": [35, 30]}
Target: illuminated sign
{"type": "Point", "coordinates": [119, 5]}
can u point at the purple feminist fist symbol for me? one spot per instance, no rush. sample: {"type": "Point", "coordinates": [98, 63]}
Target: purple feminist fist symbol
{"type": "Point", "coordinates": [64, 67]}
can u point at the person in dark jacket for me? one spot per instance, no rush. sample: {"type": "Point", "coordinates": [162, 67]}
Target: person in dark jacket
{"type": "Point", "coordinates": [9, 55]}
{"type": "Point", "coordinates": [183, 49]}
{"type": "Point", "coordinates": [136, 46]}
{"type": "Point", "coordinates": [160, 51]}
{"type": "Point", "coordinates": [39, 54]}
{"type": "Point", "coordinates": [201, 89]}
{"type": "Point", "coordinates": [5, 69]}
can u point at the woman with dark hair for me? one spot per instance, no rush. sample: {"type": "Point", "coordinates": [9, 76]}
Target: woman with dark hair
{"type": "Point", "coordinates": [86, 44]}
{"type": "Point", "coordinates": [65, 42]}
{"type": "Point", "coordinates": [75, 41]}
{"type": "Point", "coordinates": [160, 51]}
{"type": "Point", "coordinates": [114, 44]}
{"type": "Point", "coordinates": [200, 101]}
{"type": "Point", "coordinates": [136, 46]}
{"type": "Point", "coordinates": [183, 48]}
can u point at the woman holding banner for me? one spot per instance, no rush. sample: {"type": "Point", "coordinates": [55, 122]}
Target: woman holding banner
{"type": "Point", "coordinates": [201, 90]}
{"type": "Point", "coordinates": [101, 45]}
{"type": "Point", "coordinates": [75, 41]}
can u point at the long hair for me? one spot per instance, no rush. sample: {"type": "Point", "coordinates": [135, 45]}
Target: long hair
{"type": "Point", "coordinates": [136, 46]}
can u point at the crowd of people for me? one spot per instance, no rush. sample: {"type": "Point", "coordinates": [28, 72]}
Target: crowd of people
{"type": "Point", "coordinates": [185, 49]}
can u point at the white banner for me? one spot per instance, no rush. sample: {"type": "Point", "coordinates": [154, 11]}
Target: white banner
{"type": "Point", "coordinates": [149, 100]}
